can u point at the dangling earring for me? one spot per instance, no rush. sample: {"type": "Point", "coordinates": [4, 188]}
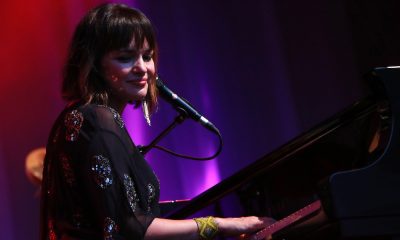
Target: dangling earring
{"type": "Point", "coordinates": [146, 114]}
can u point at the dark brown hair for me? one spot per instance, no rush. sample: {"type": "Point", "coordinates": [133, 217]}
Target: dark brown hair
{"type": "Point", "coordinates": [104, 28]}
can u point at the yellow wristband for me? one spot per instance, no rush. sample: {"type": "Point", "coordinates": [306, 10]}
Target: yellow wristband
{"type": "Point", "coordinates": [207, 227]}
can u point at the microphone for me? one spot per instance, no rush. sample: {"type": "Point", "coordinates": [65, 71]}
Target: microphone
{"type": "Point", "coordinates": [182, 105]}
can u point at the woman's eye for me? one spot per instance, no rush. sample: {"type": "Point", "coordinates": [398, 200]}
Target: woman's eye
{"type": "Point", "coordinates": [124, 59]}
{"type": "Point", "coordinates": [147, 57]}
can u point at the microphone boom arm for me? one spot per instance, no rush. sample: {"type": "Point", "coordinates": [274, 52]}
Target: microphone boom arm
{"type": "Point", "coordinates": [185, 110]}
{"type": "Point", "coordinates": [178, 120]}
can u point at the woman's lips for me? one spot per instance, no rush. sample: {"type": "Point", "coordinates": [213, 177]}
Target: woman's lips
{"type": "Point", "coordinates": [139, 83]}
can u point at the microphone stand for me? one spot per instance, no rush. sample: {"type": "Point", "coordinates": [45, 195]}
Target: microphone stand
{"type": "Point", "coordinates": [178, 120]}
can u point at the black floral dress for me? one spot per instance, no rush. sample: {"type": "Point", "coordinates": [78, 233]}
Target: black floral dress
{"type": "Point", "coordinates": [96, 184]}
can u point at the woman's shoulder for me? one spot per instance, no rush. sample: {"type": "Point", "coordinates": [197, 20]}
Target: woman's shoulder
{"type": "Point", "coordinates": [101, 115]}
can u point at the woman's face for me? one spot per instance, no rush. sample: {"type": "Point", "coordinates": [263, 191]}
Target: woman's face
{"type": "Point", "coordinates": [128, 71]}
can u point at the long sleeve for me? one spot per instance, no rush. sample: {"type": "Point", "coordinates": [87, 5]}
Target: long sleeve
{"type": "Point", "coordinates": [104, 189]}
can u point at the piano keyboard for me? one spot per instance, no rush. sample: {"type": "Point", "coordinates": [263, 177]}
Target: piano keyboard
{"type": "Point", "coordinates": [267, 232]}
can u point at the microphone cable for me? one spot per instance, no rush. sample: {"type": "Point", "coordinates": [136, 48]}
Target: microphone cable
{"type": "Point", "coordinates": [192, 157]}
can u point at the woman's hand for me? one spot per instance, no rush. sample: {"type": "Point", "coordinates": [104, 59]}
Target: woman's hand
{"type": "Point", "coordinates": [188, 228]}
{"type": "Point", "coordinates": [242, 225]}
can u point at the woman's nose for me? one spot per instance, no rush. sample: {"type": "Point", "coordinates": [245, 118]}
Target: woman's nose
{"type": "Point", "coordinates": [139, 65]}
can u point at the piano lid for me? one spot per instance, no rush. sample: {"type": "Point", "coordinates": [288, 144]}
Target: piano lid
{"type": "Point", "coordinates": [285, 153]}
{"type": "Point", "coordinates": [374, 189]}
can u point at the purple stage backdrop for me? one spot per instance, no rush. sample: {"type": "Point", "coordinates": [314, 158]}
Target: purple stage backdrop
{"type": "Point", "coordinates": [262, 71]}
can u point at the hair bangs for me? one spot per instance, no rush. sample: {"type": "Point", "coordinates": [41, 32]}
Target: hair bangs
{"type": "Point", "coordinates": [128, 26]}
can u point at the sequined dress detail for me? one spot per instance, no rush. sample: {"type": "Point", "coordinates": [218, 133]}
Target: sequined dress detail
{"type": "Point", "coordinates": [96, 184]}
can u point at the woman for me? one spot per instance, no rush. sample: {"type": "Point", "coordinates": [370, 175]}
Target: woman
{"type": "Point", "coordinates": [96, 185]}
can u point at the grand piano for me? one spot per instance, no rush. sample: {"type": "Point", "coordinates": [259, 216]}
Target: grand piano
{"type": "Point", "coordinates": [340, 180]}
